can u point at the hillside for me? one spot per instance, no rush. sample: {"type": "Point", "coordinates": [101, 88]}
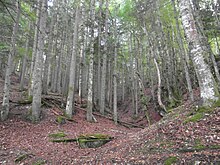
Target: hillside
{"type": "Point", "coordinates": [184, 136]}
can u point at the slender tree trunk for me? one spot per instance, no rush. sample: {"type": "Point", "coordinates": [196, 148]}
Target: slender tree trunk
{"type": "Point", "coordinates": [103, 80]}
{"type": "Point", "coordinates": [71, 90]}
{"type": "Point", "coordinates": [30, 89]}
{"type": "Point", "coordinates": [183, 53]}
{"type": "Point", "coordinates": [99, 52]}
{"type": "Point", "coordinates": [24, 63]}
{"type": "Point", "coordinates": [115, 112]}
{"type": "Point", "coordinates": [208, 89]}
{"type": "Point", "coordinates": [89, 115]}
{"type": "Point", "coordinates": [48, 58]}
{"type": "Point", "coordinates": [159, 87]}
{"type": "Point", "coordinates": [5, 109]}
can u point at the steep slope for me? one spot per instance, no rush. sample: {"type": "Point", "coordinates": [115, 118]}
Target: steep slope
{"type": "Point", "coordinates": [182, 137]}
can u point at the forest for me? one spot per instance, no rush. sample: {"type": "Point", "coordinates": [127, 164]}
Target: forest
{"type": "Point", "coordinates": [109, 82]}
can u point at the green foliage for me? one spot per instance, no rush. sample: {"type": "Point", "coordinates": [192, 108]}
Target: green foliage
{"type": "Point", "coordinates": [126, 11]}
{"type": "Point", "coordinates": [4, 46]}
{"type": "Point", "coordinates": [26, 8]}
{"type": "Point", "coordinates": [57, 135]}
{"type": "Point", "coordinates": [171, 160]}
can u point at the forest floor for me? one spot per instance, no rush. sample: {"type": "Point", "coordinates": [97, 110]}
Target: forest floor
{"type": "Point", "coordinates": [181, 137]}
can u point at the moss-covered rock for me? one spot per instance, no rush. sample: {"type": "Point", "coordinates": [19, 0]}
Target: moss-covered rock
{"type": "Point", "coordinates": [85, 140]}
{"type": "Point", "coordinates": [93, 140]}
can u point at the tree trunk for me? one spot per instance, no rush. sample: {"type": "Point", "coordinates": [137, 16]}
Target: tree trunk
{"type": "Point", "coordinates": [159, 87]}
{"type": "Point", "coordinates": [183, 53]}
{"type": "Point", "coordinates": [24, 62]}
{"type": "Point", "coordinates": [208, 89]}
{"type": "Point", "coordinates": [5, 110]}
{"type": "Point", "coordinates": [89, 115]}
{"type": "Point", "coordinates": [30, 89]}
{"type": "Point", "coordinates": [48, 57]}
{"type": "Point", "coordinates": [37, 72]}
{"type": "Point", "coordinates": [103, 80]}
{"type": "Point", "coordinates": [115, 112]}
{"type": "Point", "coordinates": [71, 89]}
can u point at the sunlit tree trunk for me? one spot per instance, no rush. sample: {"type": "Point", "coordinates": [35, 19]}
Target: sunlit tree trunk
{"type": "Point", "coordinates": [5, 109]}
{"type": "Point", "coordinates": [208, 89]}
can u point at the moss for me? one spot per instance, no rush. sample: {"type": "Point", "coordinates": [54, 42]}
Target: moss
{"type": "Point", "coordinates": [57, 135]}
{"type": "Point", "coordinates": [214, 147]}
{"type": "Point", "coordinates": [217, 103]}
{"type": "Point", "coordinates": [93, 140]}
{"type": "Point", "coordinates": [197, 113]}
{"type": "Point", "coordinates": [30, 98]}
{"type": "Point", "coordinates": [198, 145]}
{"type": "Point", "coordinates": [195, 118]}
{"type": "Point", "coordinates": [170, 160]}
{"type": "Point", "coordinates": [94, 136]}
{"type": "Point", "coordinates": [60, 120]}
{"type": "Point", "coordinates": [39, 162]}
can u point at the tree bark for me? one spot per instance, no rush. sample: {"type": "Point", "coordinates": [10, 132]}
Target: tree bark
{"type": "Point", "coordinates": [89, 115]}
{"type": "Point", "coordinates": [71, 90]}
{"type": "Point", "coordinates": [208, 89]}
{"type": "Point", "coordinates": [5, 110]}
{"type": "Point", "coordinates": [103, 79]}
{"type": "Point", "coordinates": [24, 61]}
{"type": "Point", "coordinates": [37, 72]}
{"type": "Point", "coordinates": [159, 87]}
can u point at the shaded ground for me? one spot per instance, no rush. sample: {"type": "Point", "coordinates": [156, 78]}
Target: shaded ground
{"type": "Point", "coordinates": [169, 139]}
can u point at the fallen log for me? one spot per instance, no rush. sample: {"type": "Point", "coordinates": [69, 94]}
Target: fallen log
{"type": "Point", "coordinates": [63, 140]}
{"type": "Point", "coordinates": [88, 140]}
